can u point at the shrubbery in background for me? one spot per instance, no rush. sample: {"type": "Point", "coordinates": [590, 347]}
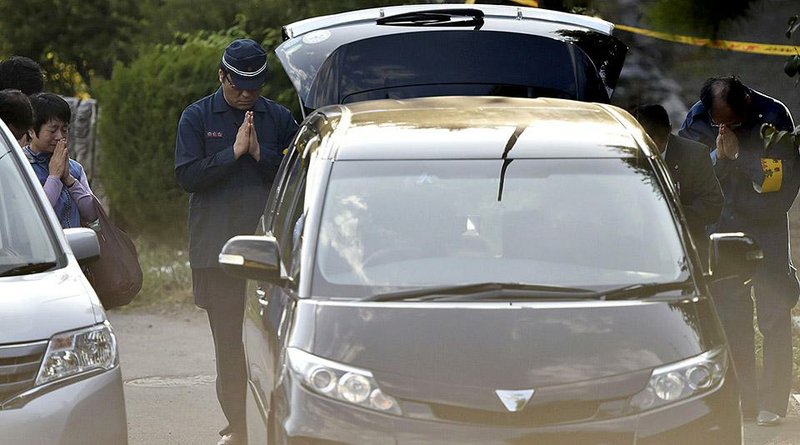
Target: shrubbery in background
{"type": "Point", "coordinates": [167, 277]}
{"type": "Point", "coordinates": [142, 103]}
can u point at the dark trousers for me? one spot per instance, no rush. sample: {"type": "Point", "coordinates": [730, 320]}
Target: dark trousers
{"type": "Point", "coordinates": [222, 296]}
{"type": "Point", "coordinates": [773, 304]}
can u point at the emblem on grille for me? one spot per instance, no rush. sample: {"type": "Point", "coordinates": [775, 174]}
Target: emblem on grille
{"type": "Point", "coordinates": [514, 400]}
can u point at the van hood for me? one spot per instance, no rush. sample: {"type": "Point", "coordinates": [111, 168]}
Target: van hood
{"type": "Point", "coordinates": [461, 354]}
{"type": "Point", "coordinates": [34, 307]}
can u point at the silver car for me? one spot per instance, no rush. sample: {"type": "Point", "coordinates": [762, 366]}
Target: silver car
{"type": "Point", "coordinates": [60, 379]}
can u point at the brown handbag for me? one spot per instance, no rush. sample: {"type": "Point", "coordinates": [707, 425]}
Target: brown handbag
{"type": "Point", "coordinates": [116, 275]}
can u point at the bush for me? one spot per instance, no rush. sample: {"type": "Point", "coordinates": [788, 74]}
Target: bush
{"type": "Point", "coordinates": [139, 111]}
{"type": "Point", "coordinates": [167, 278]}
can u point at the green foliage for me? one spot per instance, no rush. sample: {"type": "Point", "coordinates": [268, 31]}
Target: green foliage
{"type": "Point", "coordinates": [88, 35]}
{"type": "Point", "coordinates": [139, 110]}
{"type": "Point", "coordinates": [697, 18]}
{"type": "Point", "coordinates": [164, 18]}
{"type": "Point", "coordinates": [771, 137]}
{"type": "Point", "coordinates": [142, 101]}
{"type": "Point", "coordinates": [167, 278]}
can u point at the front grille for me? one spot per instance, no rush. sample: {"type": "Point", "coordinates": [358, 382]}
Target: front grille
{"type": "Point", "coordinates": [553, 413]}
{"type": "Point", "coordinates": [19, 365]}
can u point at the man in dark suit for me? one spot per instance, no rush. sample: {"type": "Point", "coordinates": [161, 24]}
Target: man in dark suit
{"type": "Point", "coordinates": [690, 165]}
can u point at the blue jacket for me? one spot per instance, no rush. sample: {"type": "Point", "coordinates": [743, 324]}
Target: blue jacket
{"type": "Point", "coordinates": [762, 215]}
{"type": "Point", "coordinates": [66, 209]}
{"type": "Point", "coordinates": [226, 196]}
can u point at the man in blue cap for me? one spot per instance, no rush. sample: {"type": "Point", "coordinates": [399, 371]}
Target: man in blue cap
{"type": "Point", "coordinates": [228, 150]}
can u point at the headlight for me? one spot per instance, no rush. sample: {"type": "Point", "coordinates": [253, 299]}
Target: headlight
{"type": "Point", "coordinates": [76, 352]}
{"type": "Point", "coordinates": [679, 381]}
{"type": "Point", "coordinates": [340, 382]}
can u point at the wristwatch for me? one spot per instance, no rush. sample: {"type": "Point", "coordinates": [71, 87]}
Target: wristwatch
{"type": "Point", "coordinates": [736, 156]}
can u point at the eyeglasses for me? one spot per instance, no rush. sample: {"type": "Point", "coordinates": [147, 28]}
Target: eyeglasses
{"type": "Point", "coordinates": [237, 89]}
{"type": "Point", "coordinates": [731, 126]}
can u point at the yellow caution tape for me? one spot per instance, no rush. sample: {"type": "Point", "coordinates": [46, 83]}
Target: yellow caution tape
{"type": "Point", "coordinates": [773, 175]}
{"type": "Point", "coordinates": [730, 45]}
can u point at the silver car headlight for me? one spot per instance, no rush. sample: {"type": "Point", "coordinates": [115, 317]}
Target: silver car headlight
{"type": "Point", "coordinates": [76, 352]}
{"type": "Point", "coordinates": [341, 382]}
{"type": "Point", "coordinates": [678, 381]}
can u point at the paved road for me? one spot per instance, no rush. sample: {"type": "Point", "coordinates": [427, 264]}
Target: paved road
{"type": "Point", "coordinates": [168, 367]}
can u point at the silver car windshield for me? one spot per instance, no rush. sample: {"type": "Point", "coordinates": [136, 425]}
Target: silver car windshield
{"type": "Point", "coordinates": [24, 239]}
{"type": "Point", "coordinates": [584, 223]}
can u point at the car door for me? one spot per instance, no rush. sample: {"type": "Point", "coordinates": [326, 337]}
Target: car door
{"type": "Point", "coordinates": [268, 305]}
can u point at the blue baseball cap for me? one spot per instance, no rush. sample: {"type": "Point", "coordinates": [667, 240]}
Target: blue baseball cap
{"type": "Point", "coordinates": [246, 63]}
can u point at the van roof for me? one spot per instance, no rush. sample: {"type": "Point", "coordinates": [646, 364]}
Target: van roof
{"type": "Point", "coordinates": [483, 128]}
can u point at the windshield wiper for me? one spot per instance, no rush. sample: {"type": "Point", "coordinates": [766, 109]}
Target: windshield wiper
{"type": "Point", "coordinates": [440, 17]}
{"type": "Point", "coordinates": [435, 292]}
{"type": "Point", "coordinates": [29, 268]}
{"type": "Point", "coordinates": [641, 290]}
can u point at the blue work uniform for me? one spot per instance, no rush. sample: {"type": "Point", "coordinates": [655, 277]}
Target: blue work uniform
{"type": "Point", "coordinates": [226, 195]}
{"type": "Point", "coordinates": [226, 198]}
{"type": "Point", "coordinates": [750, 208]}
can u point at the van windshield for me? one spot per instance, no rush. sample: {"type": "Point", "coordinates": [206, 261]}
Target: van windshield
{"type": "Point", "coordinates": [580, 223]}
{"type": "Point", "coordinates": [24, 240]}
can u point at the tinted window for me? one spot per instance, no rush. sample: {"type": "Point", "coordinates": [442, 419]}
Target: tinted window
{"type": "Point", "coordinates": [289, 216]}
{"type": "Point", "coordinates": [464, 62]}
{"type": "Point", "coordinates": [24, 238]}
{"type": "Point", "coordinates": [588, 223]}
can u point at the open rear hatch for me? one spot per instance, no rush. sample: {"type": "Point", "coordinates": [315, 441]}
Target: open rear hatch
{"type": "Point", "coordinates": [436, 52]}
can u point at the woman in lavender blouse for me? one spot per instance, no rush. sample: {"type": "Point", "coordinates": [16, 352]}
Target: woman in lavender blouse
{"type": "Point", "coordinates": [64, 179]}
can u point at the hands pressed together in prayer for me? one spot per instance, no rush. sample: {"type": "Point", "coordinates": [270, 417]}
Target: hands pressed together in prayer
{"type": "Point", "coordinates": [59, 163]}
{"type": "Point", "coordinates": [727, 143]}
{"type": "Point", "coordinates": [246, 139]}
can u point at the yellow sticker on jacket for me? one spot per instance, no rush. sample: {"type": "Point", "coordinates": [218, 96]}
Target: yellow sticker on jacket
{"type": "Point", "coordinates": [773, 175]}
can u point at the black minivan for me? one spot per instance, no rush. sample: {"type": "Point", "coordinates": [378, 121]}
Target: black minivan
{"type": "Point", "coordinates": [477, 269]}
{"type": "Point", "coordinates": [482, 270]}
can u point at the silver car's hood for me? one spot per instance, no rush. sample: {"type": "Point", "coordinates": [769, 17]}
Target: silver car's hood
{"type": "Point", "coordinates": [34, 307]}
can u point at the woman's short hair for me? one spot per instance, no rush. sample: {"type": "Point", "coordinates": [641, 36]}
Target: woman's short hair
{"type": "Point", "coordinates": [47, 107]}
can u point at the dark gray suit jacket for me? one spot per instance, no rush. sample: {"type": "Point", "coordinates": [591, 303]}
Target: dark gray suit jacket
{"type": "Point", "coordinates": [689, 163]}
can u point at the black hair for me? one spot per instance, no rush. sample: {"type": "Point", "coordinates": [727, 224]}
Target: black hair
{"type": "Point", "coordinates": [49, 106]}
{"type": "Point", "coordinates": [653, 118]}
{"type": "Point", "coordinates": [16, 111]}
{"type": "Point", "coordinates": [729, 89]}
{"type": "Point", "coordinates": [21, 73]}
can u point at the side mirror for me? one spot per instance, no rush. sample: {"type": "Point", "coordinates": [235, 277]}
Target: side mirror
{"type": "Point", "coordinates": [83, 243]}
{"type": "Point", "coordinates": [252, 257]}
{"type": "Point", "coordinates": [733, 255]}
